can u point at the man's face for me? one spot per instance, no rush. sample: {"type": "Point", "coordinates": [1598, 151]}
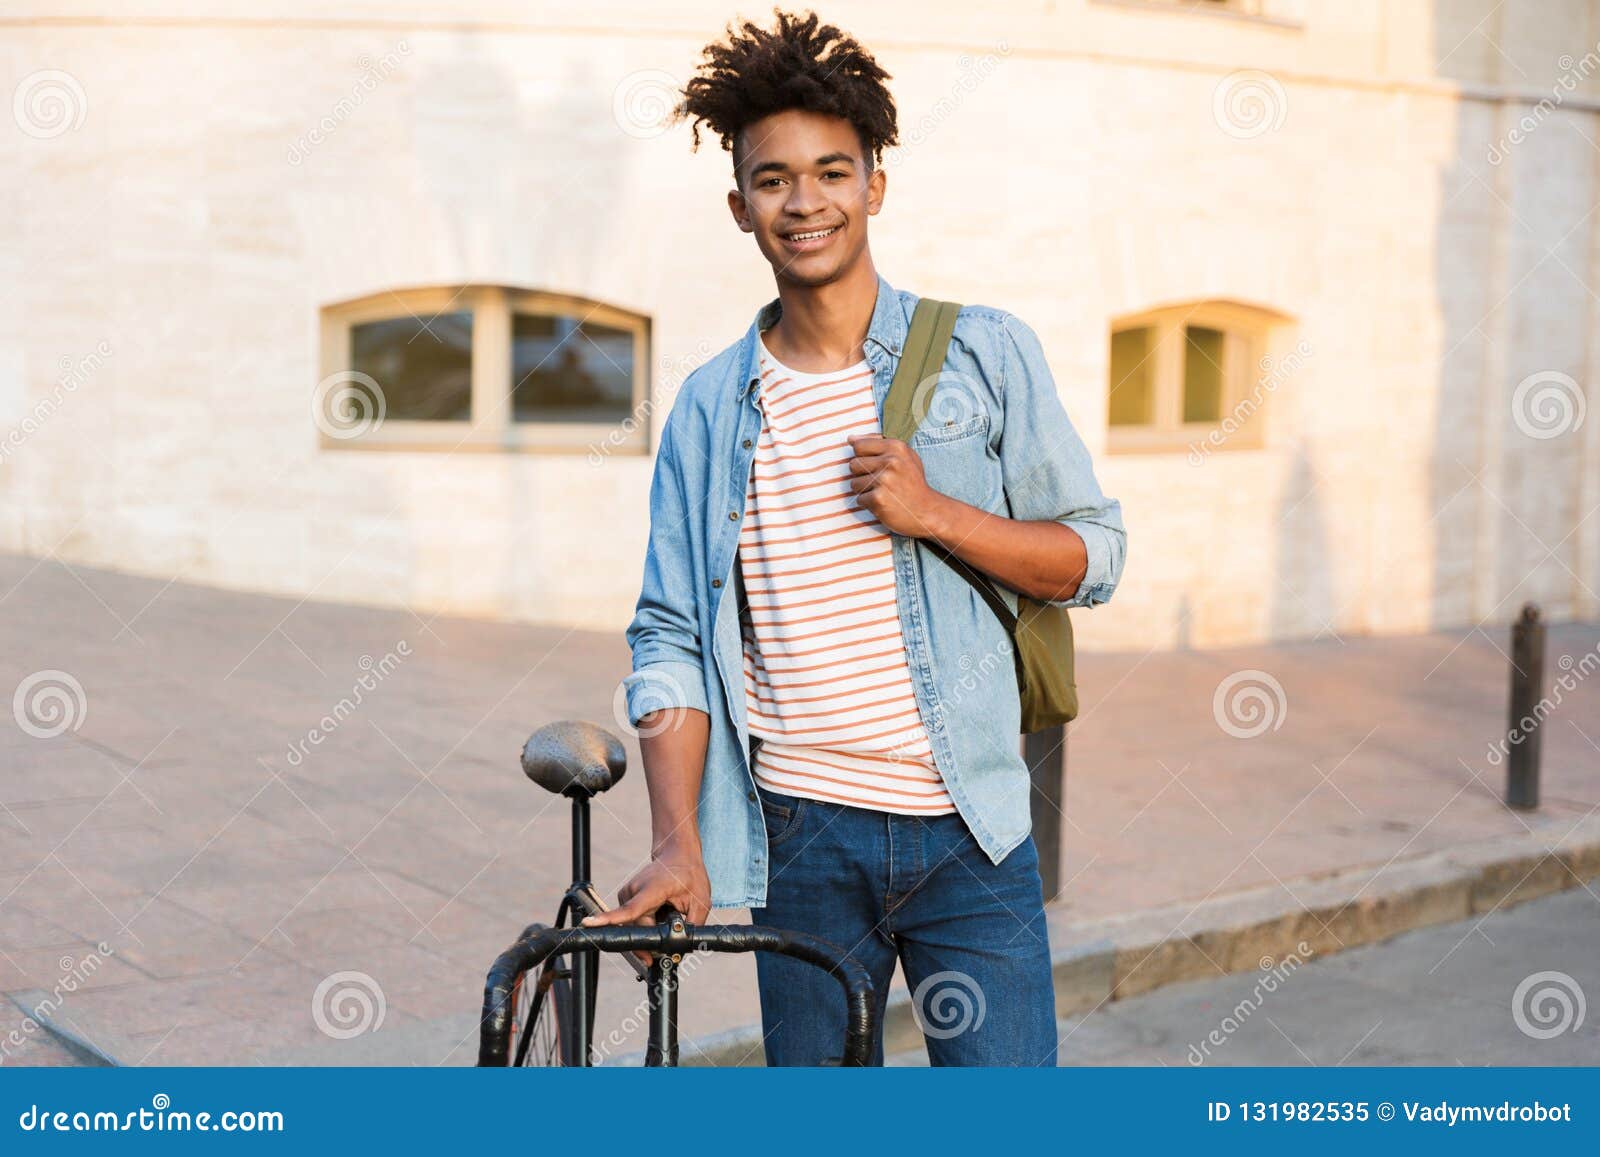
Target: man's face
{"type": "Point", "coordinates": [803, 173]}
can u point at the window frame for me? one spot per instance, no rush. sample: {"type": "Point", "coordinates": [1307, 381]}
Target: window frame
{"type": "Point", "coordinates": [1246, 337]}
{"type": "Point", "coordinates": [490, 426]}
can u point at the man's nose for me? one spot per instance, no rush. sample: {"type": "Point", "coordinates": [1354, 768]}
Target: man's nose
{"type": "Point", "coordinates": [804, 198]}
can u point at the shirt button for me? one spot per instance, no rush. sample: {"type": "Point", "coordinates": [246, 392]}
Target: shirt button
{"type": "Point", "coordinates": [733, 516]}
{"type": "Point", "coordinates": [716, 582]}
{"type": "Point", "coordinates": [752, 797]}
{"type": "Point", "coordinates": [747, 443]}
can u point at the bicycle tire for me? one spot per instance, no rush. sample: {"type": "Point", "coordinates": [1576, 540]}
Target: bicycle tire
{"type": "Point", "coordinates": [542, 1018]}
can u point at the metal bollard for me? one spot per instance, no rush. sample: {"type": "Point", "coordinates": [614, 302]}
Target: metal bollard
{"type": "Point", "coordinates": [1527, 689]}
{"type": "Point", "coordinates": [1046, 755]}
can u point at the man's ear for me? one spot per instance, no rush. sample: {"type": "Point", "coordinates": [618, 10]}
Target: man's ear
{"type": "Point", "coordinates": [876, 183]}
{"type": "Point", "coordinates": [740, 210]}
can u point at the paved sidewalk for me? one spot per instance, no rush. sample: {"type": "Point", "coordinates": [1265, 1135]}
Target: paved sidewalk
{"type": "Point", "coordinates": [233, 867]}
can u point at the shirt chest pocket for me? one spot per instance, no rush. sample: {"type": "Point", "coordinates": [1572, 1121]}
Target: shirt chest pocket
{"type": "Point", "coordinates": [957, 459]}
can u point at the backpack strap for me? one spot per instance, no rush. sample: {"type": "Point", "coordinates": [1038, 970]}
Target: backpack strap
{"type": "Point", "coordinates": [921, 358]}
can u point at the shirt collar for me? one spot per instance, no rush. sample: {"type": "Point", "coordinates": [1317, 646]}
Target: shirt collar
{"type": "Point", "coordinates": [887, 329]}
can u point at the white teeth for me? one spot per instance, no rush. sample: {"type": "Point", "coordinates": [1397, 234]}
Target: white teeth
{"type": "Point", "coordinates": [809, 236]}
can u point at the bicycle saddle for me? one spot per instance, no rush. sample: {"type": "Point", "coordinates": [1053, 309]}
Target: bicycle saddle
{"type": "Point", "coordinates": [572, 757]}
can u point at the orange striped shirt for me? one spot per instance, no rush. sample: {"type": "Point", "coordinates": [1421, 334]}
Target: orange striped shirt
{"type": "Point", "coordinates": [827, 686]}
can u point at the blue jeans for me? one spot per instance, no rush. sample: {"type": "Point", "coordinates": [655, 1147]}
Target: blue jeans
{"type": "Point", "coordinates": [969, 934]}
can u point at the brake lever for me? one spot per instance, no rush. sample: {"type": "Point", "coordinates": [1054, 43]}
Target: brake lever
{"type": "Point", "coordinates": [588, 899]}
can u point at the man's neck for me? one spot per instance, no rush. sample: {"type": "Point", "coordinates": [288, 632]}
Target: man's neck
{"type": "Point", "coordinates": [822, 327]}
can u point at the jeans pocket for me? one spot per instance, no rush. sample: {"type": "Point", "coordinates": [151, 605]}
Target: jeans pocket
{"type": "Point", "coordinates": [782, 813]}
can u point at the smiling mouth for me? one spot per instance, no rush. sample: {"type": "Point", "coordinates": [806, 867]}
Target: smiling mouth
{"type": "Point", "coordinates": [810, 238]}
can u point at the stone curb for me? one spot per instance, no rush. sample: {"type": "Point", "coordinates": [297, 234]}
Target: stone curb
{"type": "Point", "coordinates": [33, 1002]}
{"type": "Point", "coordinates": [1099, 961]}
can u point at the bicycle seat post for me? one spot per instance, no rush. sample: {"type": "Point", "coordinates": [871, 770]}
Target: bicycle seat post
{"type": "Point", "coordinates": [580, 838]}
{"type": "Point", "coordinates": [585, 965]}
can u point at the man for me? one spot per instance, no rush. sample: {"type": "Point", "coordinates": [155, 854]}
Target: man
{"type": "Point", "coordinates": [836, 746]}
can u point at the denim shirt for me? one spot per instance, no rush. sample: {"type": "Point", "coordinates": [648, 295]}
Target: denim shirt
{"type": "Point", "coordinates": [994, 435]}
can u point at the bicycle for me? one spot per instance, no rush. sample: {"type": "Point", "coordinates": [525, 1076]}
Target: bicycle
{"type": "Point", "coordinates": [550, 1021]}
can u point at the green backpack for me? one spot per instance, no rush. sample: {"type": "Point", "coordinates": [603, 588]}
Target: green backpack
{"type": "Point", "coordinates": [1041, 634]}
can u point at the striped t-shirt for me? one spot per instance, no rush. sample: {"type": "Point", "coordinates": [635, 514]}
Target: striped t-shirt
{"type": "Point", "coordinates": [827, 686]}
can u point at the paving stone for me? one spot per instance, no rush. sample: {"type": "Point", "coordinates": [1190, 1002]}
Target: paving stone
{"type": "Point", "coordinates": [263, 987]}
{"type": "Point", "coordinates": [22, 928]}
{"type": "Point", "coordinates": [78, 966]}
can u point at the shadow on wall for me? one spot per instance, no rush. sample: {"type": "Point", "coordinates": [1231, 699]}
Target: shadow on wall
{"type": "Point", "coordinates": [1302, 600]}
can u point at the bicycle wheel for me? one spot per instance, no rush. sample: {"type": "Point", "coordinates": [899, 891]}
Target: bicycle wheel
{"type": "Point", "coordinates": [541, 1025]}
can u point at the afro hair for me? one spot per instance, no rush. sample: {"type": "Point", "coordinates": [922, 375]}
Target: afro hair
{"type": "Point", "coordinates": [798, 64]}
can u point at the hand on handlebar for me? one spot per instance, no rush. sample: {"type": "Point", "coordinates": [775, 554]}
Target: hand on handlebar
{"type": "Point", "coordinates": [675, 876]}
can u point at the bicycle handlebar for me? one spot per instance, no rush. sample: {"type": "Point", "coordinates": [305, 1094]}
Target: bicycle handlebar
{"type": "Point", "coordinates": [673, 936]}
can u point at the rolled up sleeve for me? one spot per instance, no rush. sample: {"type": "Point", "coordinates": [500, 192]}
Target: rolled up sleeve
{"type": "Point", "coordinates": [668, 662]}
{"type": "Point", "coordinates": [1047, 469]}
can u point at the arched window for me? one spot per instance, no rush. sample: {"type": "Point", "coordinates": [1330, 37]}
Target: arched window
{"type": "Point", "coordinates": [1179, 373]}
{"type": "Point", "coordinates": [483, 367]}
